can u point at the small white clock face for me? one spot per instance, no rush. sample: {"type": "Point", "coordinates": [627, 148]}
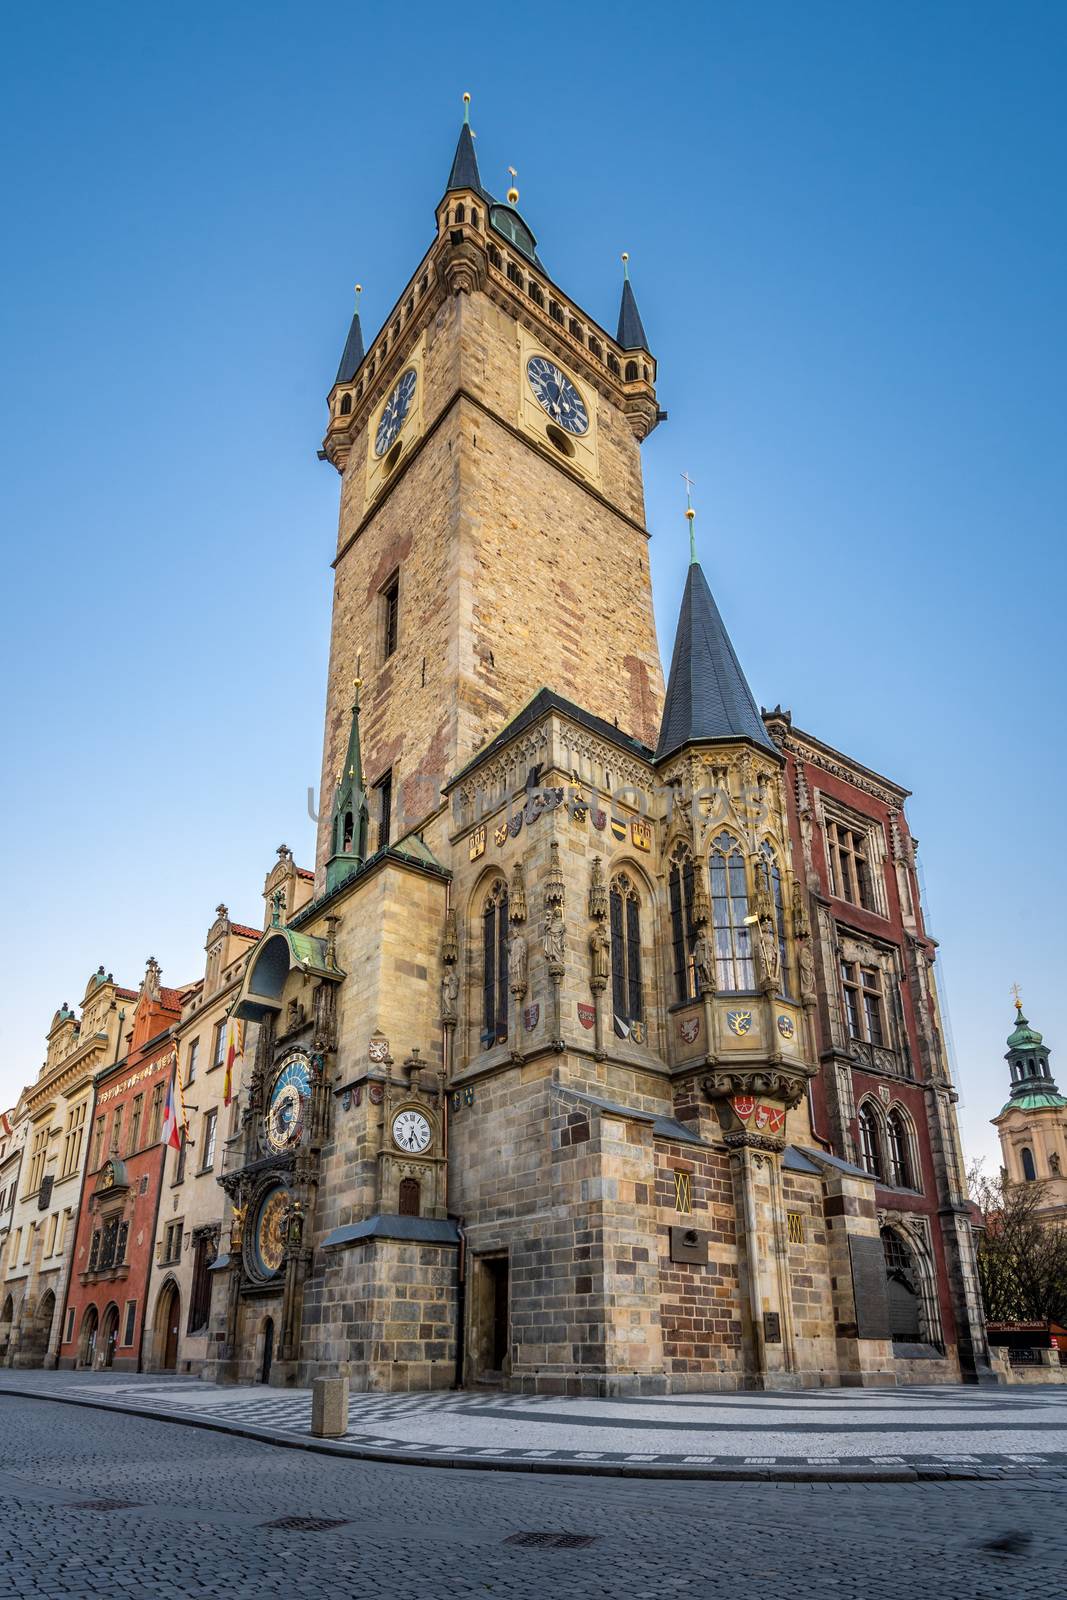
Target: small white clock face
{"type": "Point", "coordinates": [411, 1131]}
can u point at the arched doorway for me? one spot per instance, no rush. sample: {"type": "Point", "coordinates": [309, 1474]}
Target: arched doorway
{"type": "Point", "coordinates": [87, 1346]}
{"type": "Point", "coordinates": [35, 1345]}
{"type": "Point", "coordinates": [7, 1317]}
{"type": "Point", "coordinates": [109, 1334]}
{"type": "Point", "coordinates": [268, 1350]}
{"type": "Point", "coordinates": [168, 1323]}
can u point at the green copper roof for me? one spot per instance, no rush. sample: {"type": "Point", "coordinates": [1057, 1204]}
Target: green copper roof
{"type": "Point", "coordinates": [1023, 1036]}
{"type": "Point", "coordinates": [1035, 1100]}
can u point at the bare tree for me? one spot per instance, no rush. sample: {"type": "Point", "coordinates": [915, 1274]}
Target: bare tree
{"type": "Point", "coordinates": [1022, 1255]}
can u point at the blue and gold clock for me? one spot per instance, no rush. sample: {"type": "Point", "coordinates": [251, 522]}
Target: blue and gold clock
{"type": "Point", "coordinates": [288, 1102]}
{"type": "Point", "coordinates": [556, 395]}
{"type": "Point", "coordinates": [395, 413]}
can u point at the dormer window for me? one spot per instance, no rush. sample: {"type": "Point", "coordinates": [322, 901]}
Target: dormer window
{"type": "Point", "coordinates": [510, 226]}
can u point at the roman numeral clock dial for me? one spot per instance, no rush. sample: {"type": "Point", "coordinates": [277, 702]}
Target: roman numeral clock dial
{"type": "Point", "coordinates": [557, 396]}
{"type": "Point", "coordinates": [411, 1132]}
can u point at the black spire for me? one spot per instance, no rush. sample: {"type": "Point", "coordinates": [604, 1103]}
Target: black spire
{"type": "Point", "coordinates": [464, 174]}
{"type": "Point", "coordinates": [352, 358]}
{"type": "Point", "coordinates": [708, 696]}
{"type": "Point", "coordinates": [631, 334]}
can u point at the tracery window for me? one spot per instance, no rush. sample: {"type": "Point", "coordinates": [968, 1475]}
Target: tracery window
{"type": "Point", "coordinates": [850, 876]}
{"type": "Point", "coordinates": [625, 918]}
{"type": "Point", "coordinates": [870, 1141]}
{"type": "Point", "coordinates": [898, 1151]}
{"type": "Point", "coordinates": [734, 970]}
{"type": "Point", "coordinates": [773, 879]}
{"type": "Point", "coordinates": [495, 965]}
{"type": "Point", "coordinates": [680, 894]}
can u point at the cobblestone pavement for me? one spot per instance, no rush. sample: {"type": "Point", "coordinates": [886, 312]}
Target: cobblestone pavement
{"type": "Point", "coordinates": [833, 1433]}
{"type": "Point", "coordinates": [93, 1502]}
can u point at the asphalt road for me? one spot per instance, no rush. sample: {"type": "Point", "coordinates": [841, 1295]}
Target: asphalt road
{"type": "Point", "coordinates": [97, 1503]}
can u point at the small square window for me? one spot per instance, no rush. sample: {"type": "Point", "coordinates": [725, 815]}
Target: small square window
{"type": "Point", "coordinates": [683, 1190]}
{"type": "Point", "coordinates": [795, 1220]}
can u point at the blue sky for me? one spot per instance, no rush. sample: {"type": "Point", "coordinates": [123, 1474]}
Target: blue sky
{"type": "Point", "coordinates": [847, 239]}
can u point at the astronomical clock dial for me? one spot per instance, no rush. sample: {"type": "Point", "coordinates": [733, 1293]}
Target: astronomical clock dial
{"type": "Point", "coordinates": [411, 1132]}
{"type": "Point", "coordinates": [396, 409]}
{"type": "Point", "coordinates": [288, 1102]}
{"type": "Point", "coordinates": [268, 1235]}
{"type": "Point", "coordinates": [556, 395]}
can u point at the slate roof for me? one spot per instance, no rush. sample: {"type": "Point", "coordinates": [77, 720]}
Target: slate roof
{"type": "Point", "coordinates": [353, 353]}
{"type": "Point", "coordinates": [464, 173]}
{"type": "Point", "coordinates": [548, 700]}
{"type": "Point", "coordinates": [631, 334]}
{"type": "Point", "coordinates": [708, 697]}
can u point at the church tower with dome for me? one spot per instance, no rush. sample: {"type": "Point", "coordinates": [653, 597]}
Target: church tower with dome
{"type": "Point", "coordinates": [1032, 1124]}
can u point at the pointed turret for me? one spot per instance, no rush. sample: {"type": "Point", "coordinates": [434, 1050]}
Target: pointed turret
{"type": "Point", "coordinates": [349, 826]}
{"type": "Point", "coordinates": [708, 697]}
{"type": "Point", "coordinates": [464, 173]}
{"type": "Point", "coordinates": [352, 359]}
{"type": "Point", "coordinates": [631, 334]}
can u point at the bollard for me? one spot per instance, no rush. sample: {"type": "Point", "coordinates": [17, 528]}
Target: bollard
{"type": "Point", "coordinates": [329, 1407]}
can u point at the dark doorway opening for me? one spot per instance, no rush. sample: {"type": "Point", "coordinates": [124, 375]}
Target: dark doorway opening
{"type": "Point", "coordinates": [268, 1350]}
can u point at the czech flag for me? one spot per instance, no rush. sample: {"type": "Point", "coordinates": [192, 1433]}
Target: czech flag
{"type": "Point", "coordinates": [172, 1133]}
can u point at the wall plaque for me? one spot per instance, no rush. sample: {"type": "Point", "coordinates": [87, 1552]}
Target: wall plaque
{"type": "Point", "coordinates": [869, 1287]}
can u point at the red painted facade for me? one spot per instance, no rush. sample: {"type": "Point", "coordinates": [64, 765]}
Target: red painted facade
{"type": "Point", "coordinates": [903, 1081]}
{"type": "Point", "coordinates": [103, 1322]}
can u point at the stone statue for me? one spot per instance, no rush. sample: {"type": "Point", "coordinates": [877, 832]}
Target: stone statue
{"type": "Point", "coordinates": [770, 954]}
{"type": "Point", "coordinates": [237, 1227]}
{"type": "Point", "coordinates": [449, 994]}
{"type": "Point", "coordinates": [517, 962]}
{"type": "Point", "coordinates": [704, 963]}
{"type": "Point", "coordinates": [555, 939]}
{"type": "Point", "coordinates": [294, 1015]}
{"type": "Point", "coordinates": [295, 1229]}
{"type": "Point", "coordinates": [1054, 1163]}
{"type": "Point", "coordinates": [806, 963]}
{"type": "Point", "coordinates": [600, 951]}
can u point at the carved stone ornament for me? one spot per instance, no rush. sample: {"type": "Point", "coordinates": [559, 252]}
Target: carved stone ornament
{"type": "Point", "coordinates": [153, 971]}
{"type": "Point", "coordinates": [554, 886]}
{"type": "Point", "coordinates": [449, 995]}
{"type": "Point", "coordinates": [378, 1048]}
{"type": "Point", "coordinates": [450, 939]}
{"type": "Point", "coordinates": [786, 1083]}
{"type": "Point", "coordinates": [701, 909]}
{"type": "Point", "coordinates": [517, 960]}
{"type": "Point", "coordinates": [600, 957]}
{"type": "Point", "coordinates": [801, 924]}
{"type": "Point", "coordinates": [704, 963]}
{"type": "Point", "coordinates": [806, 964]}
{"type": "Point", "coordinates": [598, 891]}
{"type": "Point", "coordinates": [555, 940]}
{"type": "Point", "coordinates": [517, 894]}
{"type": "Point", "coordinates": [770, 954]}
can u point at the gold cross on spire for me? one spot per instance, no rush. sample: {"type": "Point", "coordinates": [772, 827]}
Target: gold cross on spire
{"type": "Point", "coordinates": [690, 515]}
{"type": "Point", "coordinates": [1018, 996]}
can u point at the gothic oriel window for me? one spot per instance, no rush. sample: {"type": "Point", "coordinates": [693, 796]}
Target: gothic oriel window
{"type": "Point", "coordinates": [870, 1141]}
{"type": "Point", "coordinates": [680, 895]}
{"type": "Point", "coordinates": [1026, 1160]}
{"type": "Point", "coordinates": [346, 404]}
{"type": "Point", "coordinates": [729, 907]}
{"type": "Point", "coordinates": [495, 965]}
{"type": "Point", "coordinates": [625, 918]}
{"type": "Point", "coordinates": [773, 879]}
{"type": "Point", "coordinates": [898, 1151]}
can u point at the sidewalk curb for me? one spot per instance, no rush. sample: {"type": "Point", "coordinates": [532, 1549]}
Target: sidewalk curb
{"type": "Point", "coordinates": [503, 1463]}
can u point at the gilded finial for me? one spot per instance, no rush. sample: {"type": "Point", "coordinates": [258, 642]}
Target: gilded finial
{"type": "Point", "coordinates": [690, 517]}
{"type": "Point", "coordinates": [513, 193]}
{"type": "Point", "coordinates": [466, 110]}
{"type": "Point", "coordinates": [1018, 996]}
{"type": "Point", "coordinates": [357, 684]}
{"type": "Point", "coordinates": [625, 265]}
{"type": "Point", "coordinates": [359, 291]}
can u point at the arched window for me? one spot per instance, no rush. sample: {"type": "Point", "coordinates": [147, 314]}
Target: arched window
{"type": "Point", "coordinates": [476, 218]}
{"type": "Point", "coordinates": [516, 276]}
{"type": "Point", "coordinates": [1026, 1159]}
{"type": "Point", "coordinates": [631, 372]}
{"type": "Point", "coordinates": [346, 404]}
{"type": "Point", "coordinates": [680, 890]}
{"type": "Point", "coordinates": [625, 911]}
{"type": "Point", "coordinates": [555, 311]}
{"type": "Point", "coordinates": [408, 1205]}
{"type": "Point", "coordinates": [595, 350]}
{"type": "Point", "coordinates": [536, 296]}
{"type": "Point", "coordinates": [870, 1141]}
{"type": "Point", "coordinates": [902, 1282]}
{"type": "Point", "coordinates": [613, 365]}
{"type": "Point", "coordinates": [461, 212]}
{"type": "Point", "coordinates": [575, 329]}
{"type": "Point", "coordinates": [734, 971]}
{"type": "Point", "coordinates": [773, 880]}
{"type": "Point", "coordinates": [898, 1149]}
{"type": "Point", "coordinates": [495, 965]}
{"type": "Point", "coordinates": [494, 257]}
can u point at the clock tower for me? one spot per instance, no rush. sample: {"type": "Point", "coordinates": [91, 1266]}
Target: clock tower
{"type": "Point", "coordinates": [492, 537]}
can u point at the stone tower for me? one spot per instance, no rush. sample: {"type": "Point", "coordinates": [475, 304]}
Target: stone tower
{"type": "Point", "coordinates": [1033, 1124]}
{"type": "Point", "coordinates": [491, 537]}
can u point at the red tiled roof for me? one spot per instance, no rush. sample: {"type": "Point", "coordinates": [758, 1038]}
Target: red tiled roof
{"type": "Point", "coordinates": [126, 994]}
{"type": "Point", "coordinates": [172, 999]}
{"type": "Point", "coordinates": [245, 931]}
{"type": "Point", "coordinates": [302, 872]}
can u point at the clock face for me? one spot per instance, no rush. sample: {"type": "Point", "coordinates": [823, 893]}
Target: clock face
{"type": "Point", "coordinates": [557, 395]}
{"type": "Point", "coordinates": [288, 1103]}
{"type": "Point", "coordinates": [396, 409]}
{"type": "Point", "coordinates": [268, 1235]}
{"type": "Point", "coordinates": [411, 1131]}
